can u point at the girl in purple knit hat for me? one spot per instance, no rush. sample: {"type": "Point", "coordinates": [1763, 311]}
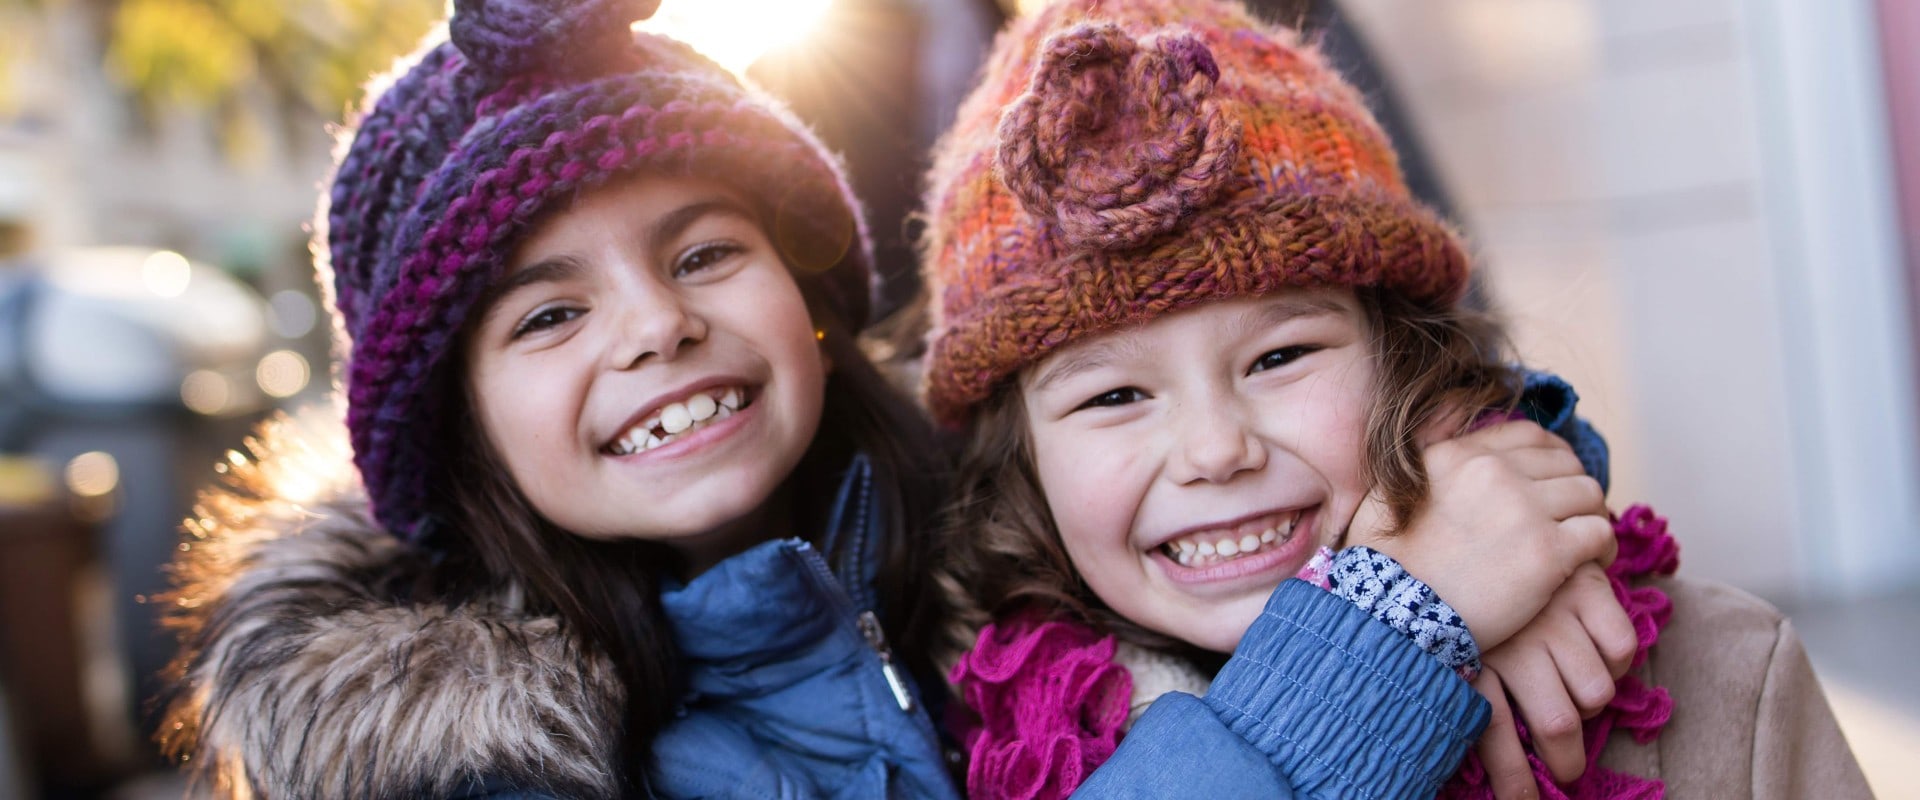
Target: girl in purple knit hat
{"type": "Point", "coordinates": [619, 507]}
{"type": "Point", "coordinates": [1229, 432]}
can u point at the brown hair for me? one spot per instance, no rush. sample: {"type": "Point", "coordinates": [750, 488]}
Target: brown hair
{"type": "Point", "coordinates": [608, 592]}
{"type": "Point", "coordinates": [1001, 553]}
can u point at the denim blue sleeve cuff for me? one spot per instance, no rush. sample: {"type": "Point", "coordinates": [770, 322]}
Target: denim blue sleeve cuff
{"type": "Point", "coordinates": [1344, 705]}
{"type": "Point", "coordinates": [1378, 585]}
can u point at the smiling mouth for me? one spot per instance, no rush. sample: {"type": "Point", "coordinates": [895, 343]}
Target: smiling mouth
{"type": "Point", "coordinates": [679, 418]}
{"type": "Point", "coordinates": [1214, 546]}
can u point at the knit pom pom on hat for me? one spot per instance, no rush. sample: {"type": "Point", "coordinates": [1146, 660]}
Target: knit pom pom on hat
{"type": "Point", "coordinates": [511, 109]}
{"type": "Point", "coordinates": [512, 37]}
{"type": "Point", "coordinates": [1124, 159]}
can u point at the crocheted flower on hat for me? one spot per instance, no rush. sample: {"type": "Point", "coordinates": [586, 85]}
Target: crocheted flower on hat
{"type": "Point", "coordinates": [1116, 139]}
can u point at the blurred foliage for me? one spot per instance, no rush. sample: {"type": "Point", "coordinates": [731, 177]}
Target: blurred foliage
{"type": "Point", "coordinates": [251, 63]}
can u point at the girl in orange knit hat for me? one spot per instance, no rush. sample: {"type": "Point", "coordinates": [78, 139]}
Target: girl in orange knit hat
{"type": "Point", "coordinates": [1201, 341]}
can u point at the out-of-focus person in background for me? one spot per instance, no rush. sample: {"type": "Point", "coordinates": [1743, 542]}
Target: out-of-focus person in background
{"type": "Point", "coordinates": [1756, 162]}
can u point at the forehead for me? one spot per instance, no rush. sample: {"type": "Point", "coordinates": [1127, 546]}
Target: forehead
{"type": "Point", "coordinates": [640, 201]}
{"type": "Point", "coordinates": [1217, 322]}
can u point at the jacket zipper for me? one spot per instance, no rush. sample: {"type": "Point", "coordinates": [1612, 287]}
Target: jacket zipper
{"type": "Point", "coordinates": [877, 639]}
{"type": "Point", "coordinates": [867, 622]}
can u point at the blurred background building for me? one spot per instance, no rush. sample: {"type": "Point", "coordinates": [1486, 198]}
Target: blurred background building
{"type": "Point", "coordinates": [1706, 213]}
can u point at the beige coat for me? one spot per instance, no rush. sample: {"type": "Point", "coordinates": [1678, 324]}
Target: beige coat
{"type": "Point", "coordinates": [1749, 718]}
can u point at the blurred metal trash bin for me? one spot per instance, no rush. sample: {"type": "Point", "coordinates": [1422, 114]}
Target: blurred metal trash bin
{"type": "Point", "coordinates": [46, 552]}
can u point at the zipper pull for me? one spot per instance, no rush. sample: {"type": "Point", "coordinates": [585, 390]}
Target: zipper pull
{"type": "Point", "coordinates": [877, 639]}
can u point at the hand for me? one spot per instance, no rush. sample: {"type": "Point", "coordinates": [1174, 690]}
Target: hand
{"type": "Point", "coordinates": [1559, 669]}
{"type": "Point", "coordinates": [1509, 517]}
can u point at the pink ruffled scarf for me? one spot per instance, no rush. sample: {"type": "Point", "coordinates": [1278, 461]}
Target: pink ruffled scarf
{"type": "Point", "coordinates": [1050, 703]}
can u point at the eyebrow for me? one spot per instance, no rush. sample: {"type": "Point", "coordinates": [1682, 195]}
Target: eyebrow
{"type": "Point", "coordinates": [671, 225]}
{"type": "Point", "coordinates": [1094, 356]}
{"type": "Point", "coordinates": [1125, 347]}
{"type": "Point", "coordinates": [665, 228]}
{"type": "Point", "coordinates": [551, 270]}
{"type": "Point", "coordinates": [1280, 312]}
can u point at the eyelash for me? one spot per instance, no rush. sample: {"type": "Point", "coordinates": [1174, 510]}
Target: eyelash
{"type": "Point", "coordinates": [1287, 356]}
{"type": "Point", "coordinates": [1113, 397]}
{"type": "Point", "coordinates": [533, 324]}
{"type": "Point", "coordinates": [704, 256]}
{"type": "Point", "coordinates": [1128, 394]}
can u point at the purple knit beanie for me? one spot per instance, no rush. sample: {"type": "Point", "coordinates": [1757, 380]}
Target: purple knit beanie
{"type": "Point", "coordinates": [515, 106]}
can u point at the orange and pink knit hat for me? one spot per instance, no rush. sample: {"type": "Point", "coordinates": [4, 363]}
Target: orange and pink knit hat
{"type": "Point", "coordinates": [1121, 159]}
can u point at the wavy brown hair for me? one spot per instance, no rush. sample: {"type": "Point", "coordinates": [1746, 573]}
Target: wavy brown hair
{"type": "Point", "coordinates": [1002, 555]}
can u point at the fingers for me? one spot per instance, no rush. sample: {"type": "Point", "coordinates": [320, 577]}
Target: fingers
{"type": "Point", "coordinates": [1588, 537]}
{"type": "Point", "coordinates": [1606, 623]}
{"type": "Point", "coordinates": [1572, 496]}
{"type": "Point", "coordinates": [1507, 768]}
{"type": "Point", "coordinates": [1534, 681]}
{"type": "Point", "coordinates": [1587, 678]}
{"type": "Point", "coordinates": [1371, 522]}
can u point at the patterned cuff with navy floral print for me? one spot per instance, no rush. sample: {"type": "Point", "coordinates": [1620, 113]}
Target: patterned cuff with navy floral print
{"type": "Point", "coordinates": [1378, 585]}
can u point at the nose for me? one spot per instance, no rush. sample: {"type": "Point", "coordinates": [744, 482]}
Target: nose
{"type": "Point", "coordinates": [1217, 441]}
{"type": "Point", "coordinates": [655, 322]}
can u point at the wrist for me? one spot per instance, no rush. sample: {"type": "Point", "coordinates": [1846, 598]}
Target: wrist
{"type": "Point", "coordinates": [1377, 584]}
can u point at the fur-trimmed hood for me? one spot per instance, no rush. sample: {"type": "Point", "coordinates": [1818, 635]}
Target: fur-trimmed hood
{"type": "Point", "coordinates": [305, 673]}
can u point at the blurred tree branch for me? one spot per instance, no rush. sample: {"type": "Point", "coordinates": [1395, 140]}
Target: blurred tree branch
{"type": "Point", "coordinates": [247, 63]}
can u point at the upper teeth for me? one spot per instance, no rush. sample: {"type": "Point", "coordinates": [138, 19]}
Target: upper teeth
{"type": "Point", "coordinates": [673, 419]}
{"type": "Point", "coordinates": [1205, 548]}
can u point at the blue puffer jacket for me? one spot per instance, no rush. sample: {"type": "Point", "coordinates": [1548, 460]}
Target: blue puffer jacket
{"type": "Point", "coordinates": [793, 691]}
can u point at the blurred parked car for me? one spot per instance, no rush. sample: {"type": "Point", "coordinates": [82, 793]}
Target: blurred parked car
{"type": "Point", "coordinates": [124, 374]}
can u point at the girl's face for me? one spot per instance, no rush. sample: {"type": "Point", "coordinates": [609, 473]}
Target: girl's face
{"type": "Point", "coordinates": [1194, 463]}
{"type": "Point", "coordinates": [646, 368]}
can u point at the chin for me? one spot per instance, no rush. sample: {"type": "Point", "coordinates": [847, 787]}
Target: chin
{"type": "Point", "coordinates": [1224, 636]}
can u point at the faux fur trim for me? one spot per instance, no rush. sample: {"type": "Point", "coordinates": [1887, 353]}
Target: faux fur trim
{"type": "Point", "coordinates": [303, 673]}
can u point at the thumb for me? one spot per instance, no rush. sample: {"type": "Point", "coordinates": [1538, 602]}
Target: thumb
{"type": "Point", "coordinates": [1372, 523]}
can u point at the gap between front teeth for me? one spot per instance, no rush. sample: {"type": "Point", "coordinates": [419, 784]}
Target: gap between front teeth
{"type": "Point", "coordinates": [674, 419]}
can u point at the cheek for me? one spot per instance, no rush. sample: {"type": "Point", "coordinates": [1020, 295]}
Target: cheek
{"type": "Point", "coordinates": [1338, 428]}
{"type": "Point", "coordinates": [1089, 489]}
{"type": "Point", "coordinates": [525, 428]}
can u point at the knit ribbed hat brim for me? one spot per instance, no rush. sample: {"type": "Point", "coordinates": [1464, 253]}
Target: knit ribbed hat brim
{"type": "Point", "coordinates": [1234, 250]}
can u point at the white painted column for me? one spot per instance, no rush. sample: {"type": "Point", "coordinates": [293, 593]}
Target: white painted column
{"type": "Point", "coordinates": [1828, 202]}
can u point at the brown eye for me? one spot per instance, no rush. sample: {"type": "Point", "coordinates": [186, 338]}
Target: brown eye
{"type": "Point", "coordinates": [705, 257]}
{"type": "Point", "coordinates": [1274, 359]}
{"type": "Point", "coordinates": [545, 318]}
{"type": "Point", "coordinates": [1114, 397]}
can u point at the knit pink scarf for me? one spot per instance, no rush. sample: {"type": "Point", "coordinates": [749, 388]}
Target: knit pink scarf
{"type": "Point", "coordinates": [1049, 703]}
